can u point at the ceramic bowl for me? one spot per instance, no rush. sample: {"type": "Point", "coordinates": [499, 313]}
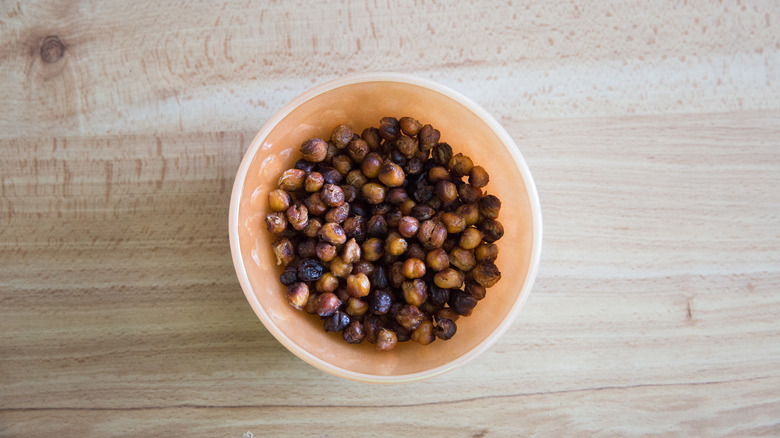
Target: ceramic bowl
{"type": "Point", "coordinates": [361, 100]}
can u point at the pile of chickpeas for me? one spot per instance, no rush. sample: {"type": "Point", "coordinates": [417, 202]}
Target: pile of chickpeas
{"type": "Point", "coordinates": [382, 237]}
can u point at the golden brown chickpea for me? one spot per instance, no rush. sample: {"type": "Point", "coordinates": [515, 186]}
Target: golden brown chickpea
{"type": "Point", "coordinates": [284, 251]}
{"type": "Point", "coordinates": [476, 290]}
{"type": "Point", "coordinates": [492, 230]}
{"type": "Point", "coordinates": [276, 223]}
{"type": "Point", "coordinates": [470, 213]}
{"type": "Point", "coordinates": [413, 268]}
{"type": "Point", "coordinates": [358, 285]}
{"type": "Point", "coordinates": [391, 174]}
{"type": "Point", "coordinates": [356, 179]}
{"type": "Point", "coordinates": [314, 182]}
{"type": "Point", "coordinates": [298, 216]}
{"type": "Point", "coordinates": [356, 307]}
{"type": "Point", "coordinates": [437, 174]}
{"type": "Point", "coordinates": [386, 340]}
{"type": "Point", "coordinates": [406, 207]}
{"type": "Point", "coordinates": [463, 259]}
{"type": "Point", "coordinates": [332, 233]}
{"type": "Point", "coordinates": [371, 136]}
{"type": "Point", "coordinates": [374, 193]}
{"type": "Point", "coordinates": [325, 251]}
{"type": "Point", "coordinates": [486, 252]}
{"type": "Point", "coordinates": [340, 268]}
{"type": "Point", "coordinates": [341, 135]}
{"type": "Point", "coordinates": [327, 304]}
{"type": "Point", "coordinates": [292, 180]}
{"type": "Point", "coordinates": [314, 150]}
{"type": "Point", "coordinates": [327, 283]}
{"type": "Point", "coordinates": [332, 195]}
{"type": "Point", "coordinates": [454, 222]}
{"type": "Point", "coordinates": [446, 191]}
{"type": "Point", "coordinates": [470, 238]}
{"type": "Point", "coordinates": [428, 137]}
{"type": "Point", "coordinates": [278, 200]}
{"type": "Point", "coordinates": [408, 226]}
{"type": "Point", "coordinates": [351, 251]}
{"type": "Point", "coordinates": [461, 164]}
{"type": "Point", "coordinates": [437, 259]}
{"type": "Point", "coordinates": [315, 205]}
{"type": "Point", "coordinates": [342, 163]}
{"type": "Point", "coordinates": [298, 295]}
{"type": "Point", "coordinates": [395, 244]}
{"type": "Point", "coordinates": [371, 165]}
{"type": "Point", "coordinates": [423, 334]}
{"type": "Point", "coordinates": [478, 177]}
{"type": "Point", "coordinates": [373, 249]}
{"type": "Point", "coordinates": [448, 279]}
{"type": "Point", "coordinates": [486, 274]}
{"type": "Point", "coordinates": [415, 291]}
{"type": "Point", "coordinates": [407, 146]}
{"type": "Point", "coordinates": [357, 149]}
{"type": "Point", "coordinates": [410, 126]}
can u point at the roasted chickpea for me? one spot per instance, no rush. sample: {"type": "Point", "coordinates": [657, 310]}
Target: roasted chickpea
{"type": "Point", "coordinates": [489, 206]}
{"type": "Point", "coordinates": [470, 238]}
{"type": "Point", "coordinates": [415, 291]}
{"type": "Point", "coordinates": [487, 252]}
{"type": "Point", "coordinates": [380, 301]}
{"type": "Point", "coordinates": [423, 334]}
{"type": "Point", "coordinates": [441, 154]}
{"type": "Point", "coordinates": [454, 222]}
{"type": "Point", "coordinates": [336, 322]}
{"type": "Point", "coordinates": [463, 259]}
{"type": "Point", "coordinates": [278, 200]}
{"type": "Point", "coordinates": [437, 296]}
{"type": "Point", "coordinates": [354, 226]}
{"type": "Point", "coordinates": [413, 268]}
{"type": "Point", "coordinates": [447, 313]}
{"type": "Point", "coordinates": [448, 279]}
{"type": "Point", "coordinates": [476, 290]}
{"type": "Point", "coordinates": [445, 329]}
{"type": "Point", "coordinates": [478, 177]}
{"type": "Point", "coordinates": [377, 226]}
{"type": "Point", "coordinates": [461, 164]}
{"type": "Point", "coordinates": [298, 295]}
{"type": "Point", "coordinates": [409, 126]}
{"type": "Point", "coordinates": [276, 223]}
{"type": "Point", "coordinates": [409, 316]}
{"type": "Point", "coordinates": [386, 340]}
{"type": "Point", "coordinates": [298, 216]}
{"type": "Point", "coordinates": [332, 233]}
{"type": "Point", "coordinates": [406, 207]}
{"type": "Point", "coordinates": [389, 128]}
{"type": "Point", "coordinates": [470, 213]}
{"type": "Point", "coordinates": [374, 193]}
{"type": "Point", "coordinates": [371, 164]}
{"type": "Point", "coordinates": [340, 268]}
{"type": "Point", "coordinates": [357, 149]}
{"type": "Point", "coordinates": [446, 191]}
{"type": "Point", "coordinates": [338, 214]}
{"type": "Point", "coordinates": [351, 251]}
{"type": "Point", "coordinates": [342, 163]}
{"type": "Point", "coordinates": [284, 251]}
{"type": "Point", "coordinates": [292, 180]}
{"type": "Point", "coordinates": [373, 249]}
{"type": "Point", "coordinates": [314, 150]}
{"type": "Point", "coordinates": [408, 226]}
{"type": "Point", "coordinates": [407, 146]}
{"type": "Point", "coordinates": [429, 137]}
{"type": "Point", "coordinates": [397, 196]}
{"type": "Point", "coordinates": [325, 251]}
{"type": "Point", "coordinates": [492, 230]}
{"type": "Point", "coordinates": [486, 274]}
{"type": "Point", "coordinates": [422, 212]}
{"type": "Point", "coordinates": [461, 302]}
{"type": "Point", "coordinates": [356, 307]}
{"type": "Point", "coordinates": [391, 174]}
{"type": "Point", "coordinates": [437, 259]}
{"type": "Point", "coordinates": [327, 283]}
{"type": "Point", "coordinates": [395, 276]}
{"type": "Point", "coordinates": [356, 179]}
{"type": "Point", "coordinates": [354, 333]}
{"type": "Point", "coordinates": [331, 175]}
{"type": "Point", "coordinates": [469, 194]}
{"type": "Point", "coordinates": [358, 285]}
{"type": "Point", "coordinates": [415, 251]}
{"type": "Point", "coordinates": [395, 244]}
{"type": "Point", "coordinates": [315, 205]}
{"type": "Point", "coordinates": [371, 136]}
{"type": "Point", "coordinates": [341, 135]}
{"type": "Point", "coordinates": [307, 248]}
{"type": "Point", "coordinates": [438, 173]}
{"type": "Point", "coordinates": [432, 234]}
{"type": "Point", "coordinates": [350, 192]}
{"type": "Point", "coordinates": [332, 195]}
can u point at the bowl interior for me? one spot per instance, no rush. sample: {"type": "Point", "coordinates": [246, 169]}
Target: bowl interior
{"type": "Point", "coordinates": [362, 104]}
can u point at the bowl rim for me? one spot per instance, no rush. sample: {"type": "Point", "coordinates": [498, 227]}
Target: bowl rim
{"type": "Point", "coordinates": [508, 143]}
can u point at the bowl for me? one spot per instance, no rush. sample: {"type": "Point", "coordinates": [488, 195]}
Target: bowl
{"type": "Point", "coordinates": [361, 100]}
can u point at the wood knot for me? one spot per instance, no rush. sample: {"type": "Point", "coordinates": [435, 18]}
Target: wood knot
{"type": "Point", "coordinates": [52, 49]}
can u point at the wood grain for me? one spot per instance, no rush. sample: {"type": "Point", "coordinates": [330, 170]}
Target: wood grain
{"type": "Point", "coordinates": [651, 130]}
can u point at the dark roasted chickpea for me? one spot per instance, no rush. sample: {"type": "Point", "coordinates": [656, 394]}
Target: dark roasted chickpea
{"type": "Point", "coordinates": [389, 128]}
{"type": "Point", "coordinates": [336, 322]}
{"type": "Point", "coordinates": [379, 302]}
{"type": "Point", "coordinates": [413, 268]}
{"type": "Point", "coordinates": [402, 333]}
{"type": "Point", "coordinates": [377, 226]}
{"type": "Point", "coordinates": [454, 222]}
{"type": "Point", "coordinates": [342, 163]}
{"type": "Point", "coordinates": [395, 244]}
{"type": "Point", "coordinates": [350, 192]}
{"type": "Point", "coordinates": [338, 214]}
{"type": "Point", "coordinates": [374, 193]}
{"type": "Point", "coordinates": [414, 166]}
{"type": "Point", "coordinates": [438, 173]}
{"type": "Point", "coordinates": [406, 207]}
{"type": "Point", "coordinates": [478, 177]}
{"type": "Point", "coordinates": [332, 195]}
{"type": "Point", "coordinates": [284, 251]}
{"type": "Point", "coordinates": [278, 200]}
{"type": "Point", "coordinates": [422, 212]}
{"type": "Point", "coordinates": [307, 248]}
{"type": "Point", "coordinates": [486, 252]}
{"type": "Point", "coordinates": [423, 334]}
{"type": "Point", "coordinates": [315, 205]}
{"type": "Point", "coordinates": [342, 294]}
{"type": "Point", "coordinates": [416, 251]}
{"type": "Point", "coordinates": [332, 151]}
{"type": "Point", "coordinates": [470, 213]}
{"type": "Point", "coordinates": [450, 243]}
{"type": "Point", "coordinates": [442, 153]}
{"type": "Point", "coordinates": [357, 149]}
{"type": "Point", "coordinates": [460, 164]}
{"type": "Point", "coordinates": [356, 179]}
{"type": "Point", "coordinates": [470, 238]}
{"type": "Point", "coordinates": [360, 209]}
{"type": "Point", "coordinates": [397, 196]}
{"type": "Point", "coordinates": [395, 276]}
{"type": "Point", "coordinates": [356, 307]}
{"type": "Point", "coordinates": [476, 290]}
{"type": "Point", "coordinates": [371, 136]}
{"type": "Point", "coordinates": [397, 157]}
{"type": "Point", "coordinates": [310, 269]}
{"type": "Point", "coordinates": [423, 192]}
{"type": "Point", "coordinates": [446, 191]}
{"type": "Point", "coordinates": [415, 291]}
{"type": "Point", "coordinates": [437, 205]}
{"type": "Point", "coordinates": [409, 316]}
{"type": "Point", "coordinates": [373, 249]}
{"type": "Point", "coordinates": [340, 268]}
{"type": "Point", "coordinates": [393, 218]}
{"type": "Point", "coordinates": [461, 302]}
{"type": "Point", "coordinates": [489, 206]}
{"type": "Point", "coordinates": [331, 175]}
{"type": "Point", "coordinates": [306, 166]}
{"type": "Point", "coordinates": [469, 194]}
{"type": "Point", "coordinates": [379, 280]}
{"type": "Point", "coordinates": [445, 329]}
{"type": "Point", "coordinates": [332, 233]}
{"type": "Point", "coordinates": [314, 150]}
{"type": "Point", "coordinates": [371, 164]}
{"type": "Point", "coordinates": [314, 182]}
{"type": "Point", "coordinates": [409, 126]}
{"type": "Point", "coordinates": [327, 283]}
{"type": "Point", "coordinates": [492, 230]}
{"type": "Point", "coordinates": [325, 251]}
{"type": "Point", "coordinates": [463, 259]}
{"type": "Point", "coordinates": [363, 266]}
{"type": "Point", "coordinates": [408, 226]}
{"type": "Point", "coordinates": [391, 174]}
{"type": "Point", "coordinates": [448, 279]}
{"type": "Point", "coordinates": [386, 340]}
{"type": "Point", "coordinates": [407, 146]}
{"type": "Point", "coordinates": [354, 333]}
{"type": "Point", "coordinates": [437, 259]}
{"type": "Point", "coordinates": [298, 216]}
{"type": "Point", "coordinates": [292, 180]}
{"type": "Point", "coordinates": [350, 253]}
{"type": "Point", "coordinates": [432, 234]}
{"type": "Point", "coordinates": [486, 274]}
{"type": "Point", "coordinates": [428, 137]}
{"type": "Point", "coordinates": [438, 296]}
{"type": "Point", "coordinates": [289, 275]}
{"type": "Point", "coordinates": [358, 285]}
{"type": "Point", "coordinates": [372, 325]}
{"type": "Point", "coordinates": [447, 313]}
{"type": "Point", "coordinates": [354, 226]}
{"type": "Point", "coordinates": [311, 304]}
{"type": "Point", "coordinates": [298, 295]}
{"type": "Point", "coordinates": [276, 223]}
{"type": "Point", "coordinates": [341, 135]}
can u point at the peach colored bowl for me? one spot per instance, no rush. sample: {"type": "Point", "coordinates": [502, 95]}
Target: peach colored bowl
{"type": "Point", "coordinates": [361, 100]}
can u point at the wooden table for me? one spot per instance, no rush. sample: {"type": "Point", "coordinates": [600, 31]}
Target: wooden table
{"type": "Point", "coordinates": [652, 130]}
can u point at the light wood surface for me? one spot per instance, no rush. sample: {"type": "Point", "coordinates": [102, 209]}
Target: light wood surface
{"type": "Point", "coordinates": [652, 130]}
